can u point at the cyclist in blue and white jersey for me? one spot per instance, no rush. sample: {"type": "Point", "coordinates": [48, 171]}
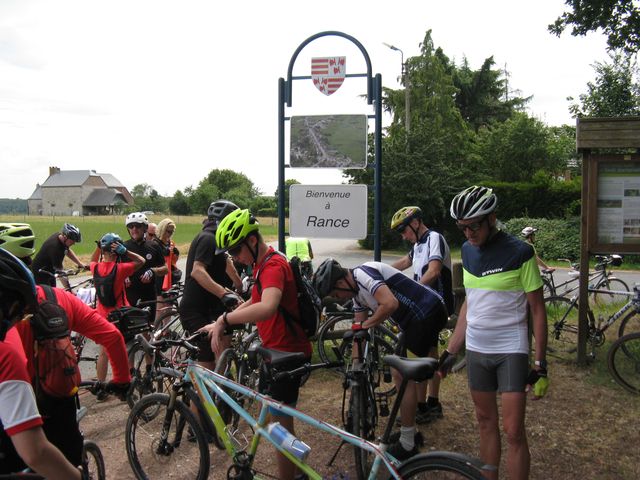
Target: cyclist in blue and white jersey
{"type": "Point", "coordinates": [431, 261]}
{"type": "Point", "coordinates": [502, 284]}
{"type": "Point", "coordinates": [387, 292]}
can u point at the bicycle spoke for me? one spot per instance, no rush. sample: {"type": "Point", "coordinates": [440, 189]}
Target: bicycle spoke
{"type": "Point", "coordinates": [624, 362]}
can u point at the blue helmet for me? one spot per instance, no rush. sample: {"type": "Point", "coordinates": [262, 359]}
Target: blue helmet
{"type": "Point", "coordinates": [107, 240]}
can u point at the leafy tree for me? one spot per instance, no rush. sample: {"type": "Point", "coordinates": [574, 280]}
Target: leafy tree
{"type": "Point", "coordinates": [618, 19]}
{"type": "Point", "coordinates": [228, 184]}
{"type": "Point", "coordinates": [179, 204]}
{"type": "Point", "coordinates": [287, 186]}
{"type": "Point", "coordinates": [201, 197]}
{"type": "Point", "coordinates": [615, 91]}
{"type": "Point", "coordinates": [147, 198]}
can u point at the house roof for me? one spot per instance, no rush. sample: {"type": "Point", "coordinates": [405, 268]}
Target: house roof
{"type": "Point", "coordinates": [76, 178]}
{"type": "Point", "coordinates": [104, 197]}
{"type": "Point", "coordinates": [37, 194]}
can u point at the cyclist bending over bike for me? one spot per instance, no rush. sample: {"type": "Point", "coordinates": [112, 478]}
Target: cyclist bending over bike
{"type": "Point", "coordinates": [275, 290]}
{"type": "Point", "coordinates": [387, 292]}
{"type": "Point", "coordinates": [19, 417]}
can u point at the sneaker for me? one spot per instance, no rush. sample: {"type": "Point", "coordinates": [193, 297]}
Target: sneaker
{"type": "Point", "coordinates": [418, 438]}
{"type": "Point", "coordinates": [102, 396]}
{"type": "Point", "coordinates": [397, 450]}
{"type": "Point", "coordinates": [429, 415]}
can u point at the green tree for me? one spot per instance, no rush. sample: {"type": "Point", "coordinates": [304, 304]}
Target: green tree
{"type": "Point", "coordinates": [615, 91]}
{"type": "Point", "coordinates": [287, 187]}
{"type": "Point", "coordinates": [179, 204]}
{"type": "Point", "coordinates": [228, 184]}
{"type": "Point", "coordinates": [618, 19]}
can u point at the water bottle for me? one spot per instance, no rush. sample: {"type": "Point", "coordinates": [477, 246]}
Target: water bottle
{"type": "Point", "coordinates": [288, 441]}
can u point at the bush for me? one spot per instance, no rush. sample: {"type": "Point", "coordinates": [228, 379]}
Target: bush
{"type": "Point", "coordinates": [555, 238]}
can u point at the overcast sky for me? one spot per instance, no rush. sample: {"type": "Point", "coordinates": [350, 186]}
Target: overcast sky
{"type": "Point", "coordinates": [162, 92]}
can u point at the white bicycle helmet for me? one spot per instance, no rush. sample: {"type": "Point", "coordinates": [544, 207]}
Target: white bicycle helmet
{"type": "Point", "coordinates": [473, 202]}
{"type": "Point", "coordinates": [526, 231]}
{"type": "Point", "coordinates": [136, 217]}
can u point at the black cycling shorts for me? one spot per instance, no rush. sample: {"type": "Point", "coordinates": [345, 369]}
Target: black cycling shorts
{"type": "Point", "coordinates": [421, 337]}
{"type": "Point", "coordinates": [194, 321]}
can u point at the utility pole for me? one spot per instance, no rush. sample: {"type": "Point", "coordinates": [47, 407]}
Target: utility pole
{"type": "Point", "coordinates": [406, 82]}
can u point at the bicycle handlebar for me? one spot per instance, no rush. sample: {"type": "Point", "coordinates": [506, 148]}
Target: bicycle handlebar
{"type": "Point", "coordinates": [165, 343]}
{"type": "Point", "coordinates": [304, 369]}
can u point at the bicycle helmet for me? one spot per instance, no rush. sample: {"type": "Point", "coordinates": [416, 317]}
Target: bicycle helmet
{"type": "Point", "coordinates": [473, 202]}
{"type": "Point", "coordinates": [18, 239]}
{"type": "Point", "coordinates": [527, 231]}
{"type": "Point", "coordinates": [136, 217]}
{"type": "Point", "coordinates": [72, 232]}
{"type": "Point", "coordinates": [326, 276]}
{"type": "Point", "coordinates": [16, 283]}
{"type": "Point", "coordinates": [234, 228]}
{"type": "Point", "coordinates": [220, 209]}
{"type": "Point", "coordinates": [107, 240]}
{"type": "Point", "coordinates": [403, 217]}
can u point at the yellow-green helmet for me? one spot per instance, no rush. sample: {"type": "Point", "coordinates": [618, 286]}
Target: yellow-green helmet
{"type": "Point", "coordinates": [234, 228]}
{"type": "Point", "coordinates": [403, 217]}
{"type": "Point", "coordinates": [17, 238]}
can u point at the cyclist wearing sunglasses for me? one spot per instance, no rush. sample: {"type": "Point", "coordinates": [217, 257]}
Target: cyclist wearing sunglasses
{"type": "Point", "coordinates": [431, 263]}
{"type": "Point", "coordinates": [502, 283]}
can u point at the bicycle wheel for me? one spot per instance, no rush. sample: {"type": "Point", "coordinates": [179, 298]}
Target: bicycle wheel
{"type": "Point", "coordinates": [547, 288]}
{"type": "Point", "coordinates": [363, 425]}
{"type": "Point", "coordinates": [228, 366]}
{"type": "Point", "coordinates": [145, 379]}
{"type": "Point", "coordinates": [629, 324]}
{"type": "Point", "coordinates": [623, 361]}
{"type": "Point", "coordinates": [441, 465]}
{"type": "Point", "coordinates": [169, 445]}
{"type": "Point", "coordinates": [92, 462]}
{"type": "Point", "coordinates": [562, 320]}
{"type": "Point", "coordinates": [610, 300]}
{"type": "Point", "coordinates": [330, 337]}
{"type": "Point", "coordinates": [385, 343]}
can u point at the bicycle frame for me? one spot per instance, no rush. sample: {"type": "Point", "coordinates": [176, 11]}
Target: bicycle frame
{"type": "Point", "coordinates": [202, 379]}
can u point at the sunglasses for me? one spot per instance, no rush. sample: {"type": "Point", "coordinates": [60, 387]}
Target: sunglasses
{"type": "Point", "coordinates": [401, 229]}
{"type": "Point", "coordinates": [474, 227]}
{"type": "Point", "coordinates": [235, 251]}
{"type": "Point", "coordinates": [135, 225]}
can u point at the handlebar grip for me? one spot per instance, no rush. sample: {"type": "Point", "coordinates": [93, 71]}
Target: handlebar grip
{"type": "Point", "coordinates": [146, 346]}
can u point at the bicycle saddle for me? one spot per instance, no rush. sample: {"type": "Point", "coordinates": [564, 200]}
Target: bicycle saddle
{"type": "Point", "coordinates": [277, 357]}
{"type": "Point", "coordinates": [417, 369]}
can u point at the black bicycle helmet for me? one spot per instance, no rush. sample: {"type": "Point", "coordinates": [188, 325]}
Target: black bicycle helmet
{"type": "Point", "coordinates": [326, 276]}
{"type": "Point", "coordinates": [473, 202]}
{"type": "Point", "coordinates": [72, 232]}
{"type": "Point", "coordinates": [220, 209]}
{"type": "Point", "coordinates": [16, 283]}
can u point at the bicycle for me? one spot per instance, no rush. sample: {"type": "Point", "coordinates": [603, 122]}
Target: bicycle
{"type": "Point", "coordinates": [623, 361]}
{"type": "Point", "coordinates": [600, 279]}
{"type": "Point", "coordinates": [161, 445]}
{"type": "Point", "coordinates": [562, 317]}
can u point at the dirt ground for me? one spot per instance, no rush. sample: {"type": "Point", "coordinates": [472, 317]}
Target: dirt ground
{"type": "Point", "coordinates": [578, 431]}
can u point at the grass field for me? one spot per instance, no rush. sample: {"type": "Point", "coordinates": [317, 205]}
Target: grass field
{"type": "Point", "coordinates": [94, 227]}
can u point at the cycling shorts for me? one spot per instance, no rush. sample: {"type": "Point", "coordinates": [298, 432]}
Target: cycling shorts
{"type": "Point", "coordinates": [285, 390]}
{"type": "Point", "coordinates": [421, 337]}
{"type": "Point", "coordinates": [194, 321]}
{"type": "Point", "coordinates": [502, 372]}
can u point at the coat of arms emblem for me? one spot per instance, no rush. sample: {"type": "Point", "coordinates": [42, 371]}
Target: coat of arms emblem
{"type": "Point", "coordinates": [328, 73]}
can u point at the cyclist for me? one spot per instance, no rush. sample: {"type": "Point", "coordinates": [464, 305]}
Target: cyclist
{"type": "Point", "coordinates": [141, 286]}
{"type": "Point", "coordinates": [208, 277]}
{"type": "Point", "coordinates": [502, 282]}
{"type": "Point", "coordinates": [529, 235]}
{"type": "Point", "coordinates": [301, 248]}
{"type": "Point", "coordinates": [239, 235]}
{"type": "Point", "coordinates": [109, 273]}
{"type": "Point", "coordinates": [52, 253]}
{"type": "Point", "coordinates": [22, 440]}
{"type": "Point", "coordinates": [418, 309]}
{"type": "Point", "coordinates": [431, 263]}
{"type": "Point", "coordinates": [18, 239]}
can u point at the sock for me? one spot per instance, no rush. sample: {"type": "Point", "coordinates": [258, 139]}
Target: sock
{"type": "Point", "coordinates": [432, 401]}
{"type": "Point", "coordinates": [407, 435]}
{"type": "Point", "coordinates": [422, 406]}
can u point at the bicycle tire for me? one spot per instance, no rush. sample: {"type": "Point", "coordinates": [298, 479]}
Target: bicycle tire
{"type": "Point", "coordinates": [330, 336]}
{"type": "Point", "coordinates": [143, 381]}
{"type": "Point", "coordinates": [228, 366]}
{"type": "Point", "coordinates": [562, 320]}
{"type": "Point", "coordinates": [610, 300]}
{"type": "Point", "coordinates": [361, 427]}
{"type": "Point", "coordinates": [629, 324]}
{"type": "Point", "coordinates": [441, 465]}
{"type": "Point", "coordinates": [547, 288]}
{"type": "Point", "coordinates": [623, 361]}
{"type": "Point", "coordinates": [177, 457]}
{"type": "Point", "coordinates": [92, 462]}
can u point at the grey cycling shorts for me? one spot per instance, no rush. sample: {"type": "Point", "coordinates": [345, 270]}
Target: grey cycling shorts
{"type": "Point", "coordinates": [502, 372]}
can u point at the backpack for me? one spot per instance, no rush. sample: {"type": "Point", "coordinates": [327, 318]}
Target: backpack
{"type": "Point", "coordinates": [309, 303]}
{"type": "Point", "coordinates": [55, 361]}
{"type": "Point", "coordinates": [105, 286]}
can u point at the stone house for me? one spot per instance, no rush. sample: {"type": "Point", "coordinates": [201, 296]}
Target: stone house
{"type": "Point", "coordinates": [78, 192]}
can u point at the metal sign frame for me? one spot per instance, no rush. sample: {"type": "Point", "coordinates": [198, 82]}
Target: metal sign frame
{"type": "Point", "coordinates": [374, 97]}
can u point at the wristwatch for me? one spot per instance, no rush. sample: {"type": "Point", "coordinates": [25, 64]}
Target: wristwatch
{"type": "Point", "coordinates": [541, 364]}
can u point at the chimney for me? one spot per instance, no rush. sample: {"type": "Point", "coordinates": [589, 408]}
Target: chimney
{"type": "Point", "coordinates": [53, 170]}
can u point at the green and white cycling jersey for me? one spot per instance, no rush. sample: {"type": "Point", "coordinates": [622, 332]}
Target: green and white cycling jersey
{"type": "Point", "coordinates": [497, 278]}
